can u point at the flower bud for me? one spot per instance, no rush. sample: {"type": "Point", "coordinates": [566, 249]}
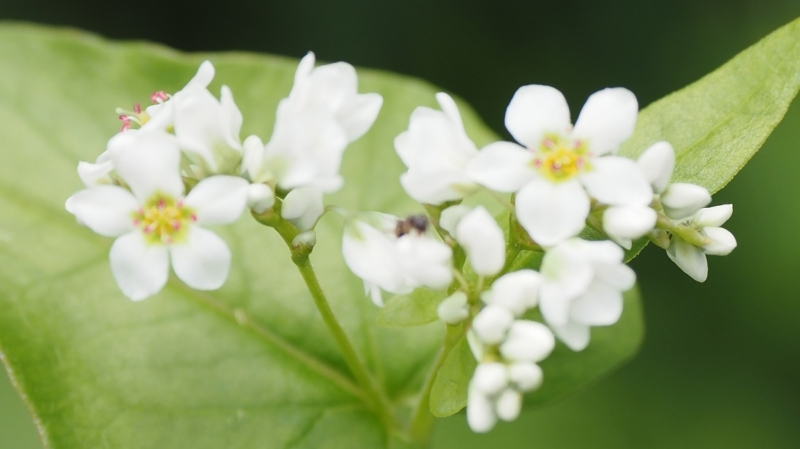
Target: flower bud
{"type": "Point", "coordinates": [480, 413]}
{"type": "Point", "coordinates": [628, 222]}
{"type": "Point", "coordinates": [451, 216]}
{"type": "Point", "coordinates": [491, 324]}
{"type": "Point", "coordinates": [682, 200]}
{"type": "Point", "coordinates": [260, 197]}
{"type": "Point", "coordinates": [712, 216]}
{"type": "Point", "coordinates": [509, 404]}
{"type": "Point", "coordinates": [527, 341]}
{"type": "Point", "coordinates": [483, 241]}
{"type": "Point", "coordinates": [517, 291]}
{"type": "Point", "coordinates": [526, 376]}
{"type": "Point", "coordinates": [722, 241]}
{"type": "Point", "coordinates": [453, 309]}
{"type": "Point", "coordinates": [490, 378]}
{"type": "Point", "coordinates": [657, 163]}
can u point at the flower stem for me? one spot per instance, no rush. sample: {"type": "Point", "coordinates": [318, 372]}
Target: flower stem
{"type": "Point", "coordinates": [378, 401]}
{"type": "Point", "coordinates": [422, 419]}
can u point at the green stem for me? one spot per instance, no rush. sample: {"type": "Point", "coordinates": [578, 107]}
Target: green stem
{"type": "Point", "coordinates": [422, 419]}
{"type": "Point", "coordinates": [378, 402]}
{"type": "Point", "coordinates": [300, 256]}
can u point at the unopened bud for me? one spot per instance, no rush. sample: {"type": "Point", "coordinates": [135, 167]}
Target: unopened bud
{"type": "Point", "coordinates": [453, 309]}
{"type": "Point", "coordinates": [260, 197]}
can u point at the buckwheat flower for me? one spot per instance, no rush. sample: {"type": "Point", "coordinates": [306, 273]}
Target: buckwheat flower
{"type": "Point", "coordinates": [436, 150]}
{"type": "Point", "coordinates": [154, 222]}
{"type": "Point", "coordinates": [582, 286]}
{"type": "Point", "coordinates": [208, 130]}
{"type": "Point", "coordinates": [395, 255]}
{"type": "Point", "coordinates": [322, 114]}
{"type": "Point", "coordinates": [558, 168]}
{"type": "Point", "coordinates": [717, 241]}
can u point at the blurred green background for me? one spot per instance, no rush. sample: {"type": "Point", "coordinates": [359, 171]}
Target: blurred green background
{"type": "Point", "coordinates": [719, 367]}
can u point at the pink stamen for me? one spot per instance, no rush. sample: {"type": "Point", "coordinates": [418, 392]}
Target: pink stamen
{"type": "Point", "coordinates": [136, 222]}
{"type": "Point", "coordinates": [137, 108]}
{"type": "Point", "coordinates": [548, 143]}
{"type": "Point", "coordinates": [149, 229]}
{"type": "Point", "coordinates": [176, 225]}
{"type": "Point", "coordinates": [158, 97]}
{"type": "Point", "coordinates": [576, 144]}
{"type": "Point", "coordinates": [161, 204]}
{"type": "Point", "coordinates": [579, 162]}
{"type": "Point", "coordinates": [193, 217]}
{"type": "Point", "coordinates": [126, 122]}
{"type": "Point", "coordinates": [537, 163]}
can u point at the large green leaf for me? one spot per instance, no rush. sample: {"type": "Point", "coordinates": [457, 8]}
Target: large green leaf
{"type": "Point", "coordinates": [718, 123]}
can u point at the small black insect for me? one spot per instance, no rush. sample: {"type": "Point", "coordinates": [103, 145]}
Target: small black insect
{"type": "Point", "coordinates": [415, 222]}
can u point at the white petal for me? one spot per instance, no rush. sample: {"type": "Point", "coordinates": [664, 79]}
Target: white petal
{"type": "Point", "coordinates": [303, 207]}
{"type": "Point", "coordinates": [527, 341]}
{"type": "Point", "coordinates": [574, 335]}
{"type": "Point", "coordinates": [509, 405]}
{"type": "Point", "coordinates": [517, 291]}
{"type": "Point", "coordinates": [202, 261]}
{"type": "Point", "coordinates": [358, 114]}
{"type": "Point", "coordinates": [253, 160]}
{"type": "Point", "coordinates": [204, 75]}
{"type": "Point", "coordinates": [219, 199]}
{"type": "Point", "coordinates": [260, 197]}
{"type": "Point", "coordinates": [601, 305]}
{"type": "Point", "coordinates": [535, 110]}
{"type": "Point", "coordinates": [617, 181]}
{"type": "Point", "coordinates": [490, 378]}
{"type": "Point", "coordinates": [607, 119]}
{"type": "Point", "coordinates": [148, 161]}
{"type": "Point", "coordinates": [629, 222]}
{"type": "Point", "coordinates": [425, 261]}
{"type": "Point", "coordinates": [374, 292]}
{"type": "Point", "coordinates": [566, 276]}
{"type": "Point", "coordinates": [552, 212]}
{"type": "Point", "coordinates": [689, 259]}
{"type": "Point", "coordinates": [618, 276]}
{"type": "Point", "coordinates": [106, 210]}
{"type": "Point", "coordinates": [371, 255]}
{"type": "Point", "coordinates": [526, 376]}
{"type": "Point", "coordinates": [682, 200]}
{"type": "Point", "coordinates": [451, 216]}
{"type": "Point", "coordinates": [208, 129]}
{"type": "Point", "coordinates": [483, 241]}
{"type": "Point", "coordinates": [657, 163]}
{"type": "Point", "coordinates": [502, 166]}
{"type": "Point", "coordinates": [140, 269]}
{"type": "Point", "coordinates": [450, 108]}
{"type": "Point", "coordinates": [454, 309]}
{"type": "Point", "coordinates": [712, 216]}
{"type": "Point", "coordinates": [480, 412]}
{"type": "Point", "coordinates": [437, 186]}
{"type": "Point", "coordinates": [491, 324]}
{"type": "Point", "coordinates": [93, 174]}
{"type": "Point", "coordinates": [722, 241]}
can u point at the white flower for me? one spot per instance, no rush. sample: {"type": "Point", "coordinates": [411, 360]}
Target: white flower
{"type": "Point", "coordinates": [559, 167]}
{"type": "Point", "coordinates": [719, 241]}
{"type": "Point", "coordinates": [482, 239]}
{"type": "Point", "coordinates": [154, 222]}
{"type": "Point", "coordinates": [492, 324]}
{"type": "Point", "coordinates": [436, 150]}
{"type": "Point", "coordinates": [322, 115]}
{"type": "Point", "coordinates": [208, 130]}
{"type": "Point", "coordinates": [379, 250]}
{"type": "Point", "coordinates": [582, 286]}
{"type": "Point", "coordinates": [161, 114]}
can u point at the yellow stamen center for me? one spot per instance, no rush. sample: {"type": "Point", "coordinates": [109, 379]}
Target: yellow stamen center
{"type": "Point", "coordinates": [561, 159]}
{"type": "Point", "coordinates": [163, 219]}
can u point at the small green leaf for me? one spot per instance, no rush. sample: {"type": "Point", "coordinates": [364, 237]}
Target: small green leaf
{"type": "Point", "coordinates": [414, 309]}
{"type": "Point", "coordinates": [718, 123]}
{"type": "Point", "coordinates": [449, 393]}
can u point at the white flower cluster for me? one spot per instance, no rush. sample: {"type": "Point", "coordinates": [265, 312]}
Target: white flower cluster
{"type": "Point", "coordinates": [563, 178]}
{"type": "Point", "coordinates": [185, 167]}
